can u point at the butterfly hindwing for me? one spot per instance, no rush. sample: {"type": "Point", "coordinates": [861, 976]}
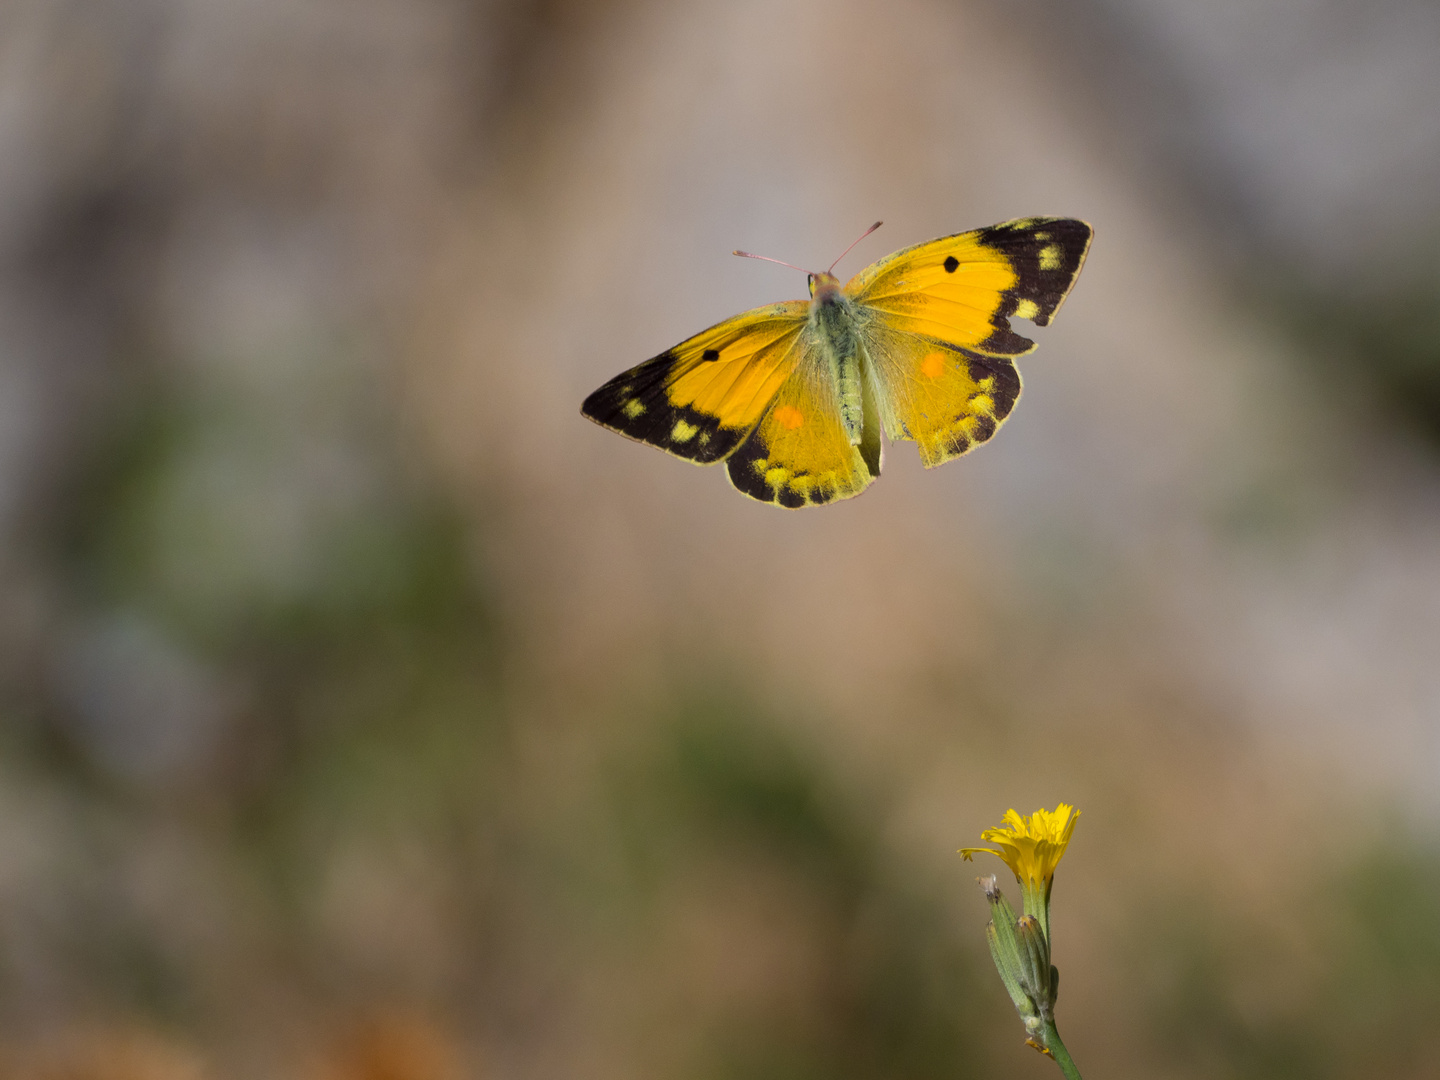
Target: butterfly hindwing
{"type": "Point", "coordinates": [947, 399]}
{"type": "Point", "coordinates": [799, 454]}
{"type": "Point", "coordinates": [936, 323]}
{"type": "Point", "coordinates": [700, 399]}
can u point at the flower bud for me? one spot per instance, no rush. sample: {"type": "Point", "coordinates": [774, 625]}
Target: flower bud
{"type": "Point", "coordinates": [1005, 948]}
{"type": "Point", "coordinates": [1035, 967]}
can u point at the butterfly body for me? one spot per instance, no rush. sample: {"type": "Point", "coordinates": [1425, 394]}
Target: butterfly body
{"type": "Point", "coordinates": [833, 333]}
{"type": "Point", "coordinates": [793, 396]}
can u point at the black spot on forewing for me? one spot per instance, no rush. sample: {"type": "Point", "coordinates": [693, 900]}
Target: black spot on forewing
{"type": "Point", "coordinates": [710, 354]}
{"type": "Point", "coordinates": [635, 404]}
{"type": "Point", "coordinates": [951, 263]}
{"type": "Point", "coordinates": [1047, 254]}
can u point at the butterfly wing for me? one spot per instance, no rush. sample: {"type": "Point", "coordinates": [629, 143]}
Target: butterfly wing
{"type": "Point", "coordinates": [935, 319]}
{"type": "Point", "coordinates": [800, 454]}
{"type": "Point", "coordinates": [700, 399]}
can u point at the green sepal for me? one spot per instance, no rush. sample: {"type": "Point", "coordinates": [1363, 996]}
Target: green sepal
{"type": "Point", "coordinates": [1006, 949]}
{"type": "Point", "coordinates": [1035, 966]}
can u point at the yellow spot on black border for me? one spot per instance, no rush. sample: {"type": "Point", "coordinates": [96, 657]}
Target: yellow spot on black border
{"type": "Point", "coordinates": [633, 408]}
{"type": "Point", "coordinates": [683, 432]}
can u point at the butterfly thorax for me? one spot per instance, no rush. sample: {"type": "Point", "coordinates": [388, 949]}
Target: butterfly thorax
{"type": "Point", "coordinates": [832, 324]}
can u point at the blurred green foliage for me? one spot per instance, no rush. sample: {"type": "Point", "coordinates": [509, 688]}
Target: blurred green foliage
{"type": "Point", "coordinates": [1344, 985]}
{"type": "Point", "coordinates": [902, 991]}
{"type": "Point", "coordinates": [379, 831]}
{"type": "Point", "coordinates": [358, 817]}
{"type": "Point", "coordinates": [1371, 345]}
{"type": "Point", "coordinates": [367, 745]}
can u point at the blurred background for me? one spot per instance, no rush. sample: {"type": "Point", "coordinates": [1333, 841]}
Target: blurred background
{"type": "Point", "coordinates": [368, 714]}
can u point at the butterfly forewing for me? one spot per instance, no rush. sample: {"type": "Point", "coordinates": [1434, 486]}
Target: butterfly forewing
{"type": "Point", "coordinates": [1046, 254]}
{"type": "Point", "coordinates": [914, 291]}
{"type": "Point", "coordinates": [700, 399]}
{"type": "Point", "coordinates": [964, 289]}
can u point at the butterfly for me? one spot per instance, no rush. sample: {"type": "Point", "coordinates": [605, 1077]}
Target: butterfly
{"type": "Point", "coordinates": [793, 397]}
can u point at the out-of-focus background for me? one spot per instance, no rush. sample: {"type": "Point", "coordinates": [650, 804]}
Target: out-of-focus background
{"type": "Point", "coordinates": [368, 715]}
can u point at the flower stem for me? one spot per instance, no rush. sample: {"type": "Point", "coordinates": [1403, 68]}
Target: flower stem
{"type": "Point", "coordinates": [1059, 1053]}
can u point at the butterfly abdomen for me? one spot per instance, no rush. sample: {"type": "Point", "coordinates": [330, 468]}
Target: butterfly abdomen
{"type": "Point", "coordinates": [832, 321]}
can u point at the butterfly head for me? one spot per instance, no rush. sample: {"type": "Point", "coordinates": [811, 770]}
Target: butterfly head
{"type": "Point", "coordinates": [823, 286]}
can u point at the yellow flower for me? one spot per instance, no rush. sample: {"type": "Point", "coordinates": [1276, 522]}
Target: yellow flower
{"type": "Point", "coordinates": [1031, 848]}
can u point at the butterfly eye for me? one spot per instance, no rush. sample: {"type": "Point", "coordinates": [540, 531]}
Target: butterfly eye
{"type": "Point", "coordinates": [810, 283]}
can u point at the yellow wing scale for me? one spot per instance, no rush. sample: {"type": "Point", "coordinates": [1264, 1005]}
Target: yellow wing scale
{"type": "Point", "coordinates": [933, 321]}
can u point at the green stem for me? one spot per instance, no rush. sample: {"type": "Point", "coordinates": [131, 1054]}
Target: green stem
{"type": "Point", "coordinates": [1036, 900]}
{"type": "Point", "coordinates": [1061, 1055]}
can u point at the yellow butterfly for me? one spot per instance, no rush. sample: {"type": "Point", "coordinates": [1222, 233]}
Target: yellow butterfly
{"type": "Point", "coordinates": [793, 397]}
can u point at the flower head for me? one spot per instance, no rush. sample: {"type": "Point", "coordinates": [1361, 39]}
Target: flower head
{"type": "Point", "coordinates": [1032, 847]}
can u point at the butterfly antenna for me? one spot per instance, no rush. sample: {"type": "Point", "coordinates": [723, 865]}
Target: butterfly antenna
{"type": "Point", "coordinates": [851, 248]}
{"type": "Point", "coordinates": [766, 258]}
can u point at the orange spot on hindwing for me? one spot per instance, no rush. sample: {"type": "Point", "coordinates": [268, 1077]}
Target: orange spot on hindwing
{"type": "Point", "coordinates": [788, 416]}
{"type": "Point", "coordinates": [933, 366]}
